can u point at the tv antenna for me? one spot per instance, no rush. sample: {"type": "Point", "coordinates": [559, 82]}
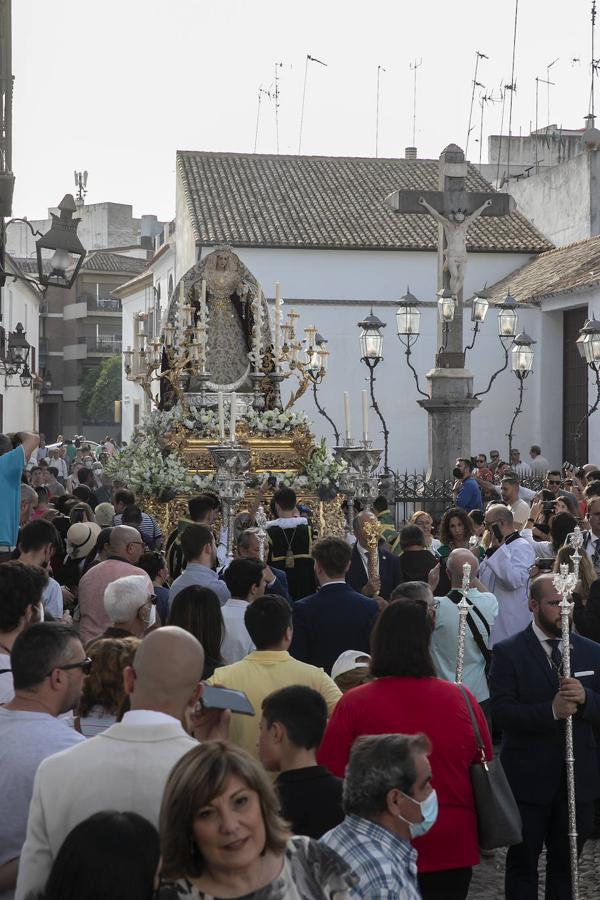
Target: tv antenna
{"type": "Point", "coordinates": [278, 66]}
{"type": "Point", "coordinates": [484, 99]}
{"type": "Point", "coordinates": [414, 66]}
{"type": "Point", "coordinates": [478, 55]}
{"type": "Point", "coordinates": [380, 69]}
{"type": "Point", "coordinates": [81, 185]}
{"type": "Point", "coordinates": [261, 92]}
{"type": "Point", "coordinates": [309, 58]}
{"type": "Point", "coordinates": [538, 81]}
{"type": "Point", "coordinates": [548, 83]}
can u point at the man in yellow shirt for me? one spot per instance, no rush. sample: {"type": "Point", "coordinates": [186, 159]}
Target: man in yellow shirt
{"type": "Point", "coordinates": [268, 668]}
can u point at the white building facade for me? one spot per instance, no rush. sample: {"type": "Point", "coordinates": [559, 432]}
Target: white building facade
{"type": "Point", "coordinates": [20, 304]}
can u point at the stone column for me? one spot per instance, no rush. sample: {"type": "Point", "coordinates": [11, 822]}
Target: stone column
{"type": "Point", "coordinates": [449, 408]}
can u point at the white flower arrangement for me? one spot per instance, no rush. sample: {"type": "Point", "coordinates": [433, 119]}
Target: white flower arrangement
{"type": "Point", "coordinates": [203, 421]}
{"type": "Point", "coordinates": [149, 472]}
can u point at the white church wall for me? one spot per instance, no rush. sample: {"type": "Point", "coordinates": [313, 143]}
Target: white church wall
{"type": "Point", "coordinates": [133, 400]}
{"type": "Point", "coordinates": [20, 404]}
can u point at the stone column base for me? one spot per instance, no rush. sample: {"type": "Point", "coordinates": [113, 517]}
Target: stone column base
{"type": "Point", "coordinates": [449, 406]}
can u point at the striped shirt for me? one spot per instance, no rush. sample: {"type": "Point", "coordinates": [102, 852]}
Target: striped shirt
{"type": "Point", "coordinates": [149, 529]}
{"type": "Point", "coordinates": [385, 863]}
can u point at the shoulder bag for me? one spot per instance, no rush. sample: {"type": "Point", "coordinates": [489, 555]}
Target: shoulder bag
{"type": "Point", "coordinates": [498, 817]}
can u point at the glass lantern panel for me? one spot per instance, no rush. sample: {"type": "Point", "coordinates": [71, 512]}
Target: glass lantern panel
{"type": "Point", "coordinates": [507, 323]}
{"type": "Point", "coordinates": [371, 344]}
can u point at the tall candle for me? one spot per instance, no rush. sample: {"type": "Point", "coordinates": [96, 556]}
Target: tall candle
{"type": "Point", "coordinates": [347, 415]}
{"type": "Point", "coordinates": [221, 416]}
{"type": "Point", "coordinates": [256, 343]}
{"type": "Point", "coordinates": [365, 416]}
{"type": "Point", "coordinates": [203, 326]}
{"type": "Point", "coordinates": [278, 305]}
{"type": "Point", "coordinates": [233, 417]}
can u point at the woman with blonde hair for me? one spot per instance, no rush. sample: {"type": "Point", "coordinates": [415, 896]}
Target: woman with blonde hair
{"type": "Point", "coordinates": [423, 520]}
{"type": "Point", "coordinates": [586, 596]}
{"type": "Point", "coordinates": [221, 835]}
{"type": "Point", "coordinates": [103, 691]}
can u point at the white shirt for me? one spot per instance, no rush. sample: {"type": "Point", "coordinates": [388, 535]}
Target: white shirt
{"type": "Point", "coordinates": [539, 465]}
{"type": "Point", "coordinates": [521, 468]}
{"type": "Point", "coordinates": [364, 555]}
{"type": "Point", "coordinates": [6, 680]}
{"type": "Point", "coordinates": [148, 717]}
{"type": "Point", "coordinates": [61, 465]}
{"type": "Point", "coordinates": [544, 639]}
{"type": "Point", "coordinates": [237, 643]}
{"type": "Point", "coordinates": [520, 510]}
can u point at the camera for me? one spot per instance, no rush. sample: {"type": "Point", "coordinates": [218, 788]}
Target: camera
{"type": "Point", "coordinates": [548, 505]}
{"type": "Point", "coordinates": [545, 563]}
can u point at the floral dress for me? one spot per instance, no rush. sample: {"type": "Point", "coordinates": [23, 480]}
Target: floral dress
{"type": "Point", "coordinates": [311, 871]}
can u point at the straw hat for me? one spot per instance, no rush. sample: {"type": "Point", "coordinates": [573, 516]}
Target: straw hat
{"type": "Point", "coordinates": [81, 538]}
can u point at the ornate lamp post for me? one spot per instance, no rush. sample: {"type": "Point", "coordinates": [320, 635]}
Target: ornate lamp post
{"type": "Point", "coordinates": [371, 348]}
{"type": "Point", "coordinates": [316, 371]}
{"type": "Point", "coordinates": [507, 329]}
{"type": "Point", "coordinates": [479, 307]}
{"type": "Point", "coordinates": [588, 345]}
{"type": "Point", "coordinates": [522, 366]}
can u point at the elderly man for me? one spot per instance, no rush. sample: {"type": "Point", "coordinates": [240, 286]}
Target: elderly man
{"type": "Point", "coordinates": [130, 605]}
{"type": "Point", "coordinates": [530, 701]}
{"type": "Point", "coordinates": [388, 799]}
{"type": "Point", "coordinates": [481, 617]}
{"type": "Point", "coordinates": [505, 572]}
{"type": "Point", "coordinates": [126, 767]}
{"type": "Point", "coordinates": [248, 547]}
{"type": "Point", "coordinates": [126, 547]}
{"type": "Point", "coordinates": [388, 572]}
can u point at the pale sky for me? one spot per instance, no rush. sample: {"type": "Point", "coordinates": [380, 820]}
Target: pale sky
{"type": "Point", "coordinates": [117, 86]}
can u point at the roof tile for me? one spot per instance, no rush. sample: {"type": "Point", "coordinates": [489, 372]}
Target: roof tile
{"type": "Point", "coordinates": [246, 199]}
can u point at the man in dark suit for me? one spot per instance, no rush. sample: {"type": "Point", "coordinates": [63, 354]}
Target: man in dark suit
{"type": "Point", "coordinates": [530, 700]}
{"type": "Point", "coordinates": [336, 618]}
{"type": "Point", "coordinates": [389, 570]}
{"type": "Point", "coordinates": [248, 547]}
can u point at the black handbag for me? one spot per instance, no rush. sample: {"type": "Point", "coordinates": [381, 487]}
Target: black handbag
{"type": "Point", "coordinates": [498, 817]}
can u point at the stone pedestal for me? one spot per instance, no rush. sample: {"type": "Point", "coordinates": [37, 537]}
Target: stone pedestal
{"type": "Point", "coordinates": [449, 408]}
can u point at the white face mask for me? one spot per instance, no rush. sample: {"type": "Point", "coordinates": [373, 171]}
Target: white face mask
{"type": "Point", "coordinates": [40, 610]}
{"type": "Point", "coordinates": [151, 618]}
{"type": "Point", "coordinates": [429, 811]}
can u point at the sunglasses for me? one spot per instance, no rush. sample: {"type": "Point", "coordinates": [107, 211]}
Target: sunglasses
{"type": "Point", "coordinates": [553, 482]}
{"type": "Point", "coordinates": [85, 665]}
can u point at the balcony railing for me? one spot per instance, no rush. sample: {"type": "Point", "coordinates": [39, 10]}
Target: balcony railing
{"type": "Point", "coordinates": [104, 346]}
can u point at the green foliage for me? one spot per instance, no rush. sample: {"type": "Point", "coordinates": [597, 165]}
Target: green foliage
{"type": "Point", "coordinates": [101, 387]}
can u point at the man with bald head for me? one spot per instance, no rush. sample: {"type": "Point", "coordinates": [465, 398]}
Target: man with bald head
{"type": "Point", "coordinates": [530, 699]}
{"type": "Point", "coordinates": [483, 611]}
{"type": "Point", "coordinates": [388, 572]}
{"type": "Point", "coordinates": [124, 768]}
{"type": "Point", "coordinates": [126, 547]}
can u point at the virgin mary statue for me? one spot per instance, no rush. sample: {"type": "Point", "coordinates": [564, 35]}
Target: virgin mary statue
{"type": "Point", "coordinates": [231, 292]}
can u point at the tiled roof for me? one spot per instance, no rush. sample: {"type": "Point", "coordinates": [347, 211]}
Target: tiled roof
{"type": "Point", "coordinates": [556, 272]}
{"type": "Point", "coordinates": [25, 265]}
{"type": "Point", "coordinates": [103, 261]}
{"type": "Point", "coordinates": [328, 202]}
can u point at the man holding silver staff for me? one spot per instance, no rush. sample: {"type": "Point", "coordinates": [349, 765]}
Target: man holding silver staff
{"type": "Point", "coordinates": [530, 702]}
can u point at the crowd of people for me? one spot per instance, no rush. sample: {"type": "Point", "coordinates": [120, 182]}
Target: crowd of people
{"type": "Point", "coordinates": [284, 722]}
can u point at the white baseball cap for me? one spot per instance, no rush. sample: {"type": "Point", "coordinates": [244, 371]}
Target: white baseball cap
{"type": "Point", "coordinates": [349, 660]}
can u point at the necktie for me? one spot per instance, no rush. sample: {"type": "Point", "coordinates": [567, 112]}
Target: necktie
{"type": "Point", "coordinates": [596, 555]}
{"type": "Point", "coordinates": [555, 654]}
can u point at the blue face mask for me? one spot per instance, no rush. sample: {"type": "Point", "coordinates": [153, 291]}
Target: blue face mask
{"type": "Point", "coordinates": [429, 811]}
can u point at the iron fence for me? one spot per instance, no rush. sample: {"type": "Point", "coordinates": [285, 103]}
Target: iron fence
{"type": "Point", "coordinates": [408, 492]}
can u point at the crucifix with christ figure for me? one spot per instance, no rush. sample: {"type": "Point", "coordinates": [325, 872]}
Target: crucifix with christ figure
{"type": "Point", "coordinates": [454, 209]}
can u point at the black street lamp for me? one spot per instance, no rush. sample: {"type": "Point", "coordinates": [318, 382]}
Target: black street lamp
{"type": "Point", "coordinates": [60, 253]}
{"type": "Point", "coordinates": [522, 366]}
{"type": "Point", "coordinates": [588, 345]}
{"type": "Point", "coordinates": [408, 329]}
{"type": "Point", "coordinates": [16, 357]}
{"type": "Point", "coordinates": [316, 371]}
{"type": "Point", "coordinates": [371, 348]}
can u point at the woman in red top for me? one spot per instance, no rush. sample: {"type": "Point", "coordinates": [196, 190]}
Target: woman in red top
{"type": "Point", "coordinates": [407, 698]}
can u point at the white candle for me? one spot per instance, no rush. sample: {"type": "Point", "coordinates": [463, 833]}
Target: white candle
{"type": "Point", "coordinates": [221, 416]}
{"type": "Point", "coordinates": [233, 417]}
{"type": "Point", "coordinates": [203, 325]}
{"type": "Point", "coordinates": [278, 305]}
{"type": "Point", "coordinates": [257, 328]}
{"type": "Point", "coordinates": [365, 416]}
{"type": "Point", "coordinates": [347, 415]}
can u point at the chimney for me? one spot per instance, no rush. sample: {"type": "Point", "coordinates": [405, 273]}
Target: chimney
{"type": "Point", "coordinates": [410, 153]}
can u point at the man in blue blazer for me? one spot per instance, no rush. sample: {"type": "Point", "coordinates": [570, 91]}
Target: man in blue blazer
{"type": "Point", "coordinates": [336, 618]}
{"type": "Point", "coordinates": [530, 700]}
{"type": "Point", "coordinates": [389, 569]}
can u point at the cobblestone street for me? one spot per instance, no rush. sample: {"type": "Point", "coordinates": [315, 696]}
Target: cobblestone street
{"type": "Point", "coordinates": [488, 877]}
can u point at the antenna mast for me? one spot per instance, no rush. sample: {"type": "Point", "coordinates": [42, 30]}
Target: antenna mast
{"type": "Point", "coordinates": [512, 87]}
{"type": "Point", "coordinates": [309, 58]}
{"type": "Point", "coordinates": [261, 91]}
{"type": "Point", "coordinates": [278, 65]}
{"type": "Point", "coordinates": [81, 185]}
{"type": "Point", "coordinates": [478, 56]}
{"type": "Point", "coordinates": [414, 66]}
{"type": "Point", "coordinates": [548, 83]}
{"type": "Point", "coordinates": [593, 64]}
{"type": "Point", "coordinates": [380, 69]}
